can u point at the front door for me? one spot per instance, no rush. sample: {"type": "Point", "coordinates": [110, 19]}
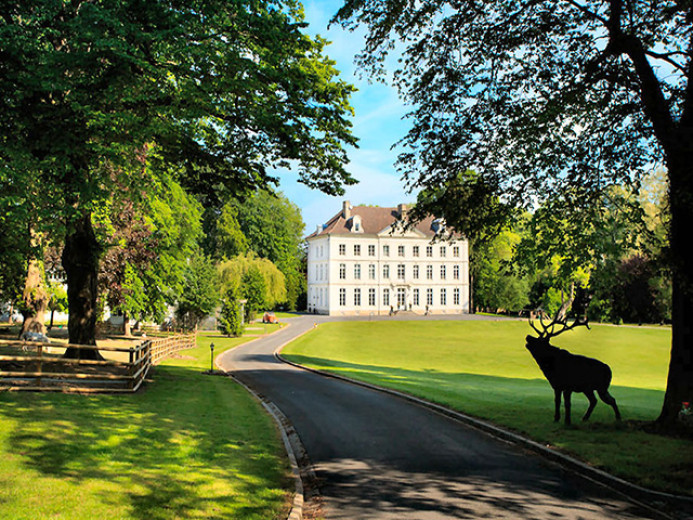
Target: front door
{"type": "Point", "coordinates": [401, 298]}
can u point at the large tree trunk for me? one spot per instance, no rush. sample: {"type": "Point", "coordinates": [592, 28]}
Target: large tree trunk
{"type": "Point", "coordinates": [34, 298]}
{"type": "Point", "coordinates": [81, 263]}
{"type": "Point", "coordinates": [680, 379]}
{"type": "Point", "coordinates": [127, 331]}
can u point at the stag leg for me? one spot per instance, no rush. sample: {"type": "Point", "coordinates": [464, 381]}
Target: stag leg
{"type": "Point", "coordinates": [609, 399]}
{"type": "Point", "coordinates": [557, 401]}
{"type": "Point", "coordinates": [593, 402]}
{"type": "Point", "coordinates": [566, 402]}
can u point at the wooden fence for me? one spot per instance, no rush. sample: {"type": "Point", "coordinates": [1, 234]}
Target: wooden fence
{"type": "Point", "coordinates": [42, 367]}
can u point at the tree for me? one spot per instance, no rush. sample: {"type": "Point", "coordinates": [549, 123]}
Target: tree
{"type": "Point", "coordinates": [232, 241]}
{"type": "Point", "coordinates": [230, 317]}
{"type": "Point", "coordinates": [58, 301]}
{"type": "Point", "coordinates": [496, 287]}
{"type": "Point", "coordinates": [200, 294]}
{"type": "Point", "coordinates": [470, 206]}
{"type": "Point", "coordinates": [95, 95]}
{"type": "Point", "coordinates": [271, 226]}
{"type": "Point", "coordinates": [130, 249]}
{"type": "Point", "coordinates": [542, 97]}
{"type": "Point", "coordinates": [253, 286]}
{"type": "Point", "coordinates": [267, 281]}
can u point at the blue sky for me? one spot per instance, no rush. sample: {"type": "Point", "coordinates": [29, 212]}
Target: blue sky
{"type": "Point", "coordinates": [377, 123]}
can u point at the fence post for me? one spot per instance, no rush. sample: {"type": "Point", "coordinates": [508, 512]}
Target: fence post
{"type": "Point", "coordinates": [40, 366]}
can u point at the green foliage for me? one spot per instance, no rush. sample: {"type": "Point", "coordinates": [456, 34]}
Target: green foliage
{"type": "Point", "coordinates": [496, 287]}
{"type": "Point", "coordinates": [552, 103]}
{"type": "Point", "coordinates": [200, 294]}
{"type": "Point", "coordinates": [269, 225]}
{"type": "Point", "coordinates": [254, 287]}
{"type": "Point", "coordinates": [102, 97]}
{"type": "Point", "coordinates": [58, 297]}
{"type": "Point", "coordinates": [231, 240]}
{"type": "Point", "coordinates": [268, 281]}
{"type": "Point", "coordinates": [230, 317]}
{"type": "Point", "coordinates": [174, 217]}
{"type": "Point", "coordinates": [468, 203]}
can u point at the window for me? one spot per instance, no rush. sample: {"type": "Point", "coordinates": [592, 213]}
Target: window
{"type": "Point", "coordinates": [400, 250]}
{"type": "Point", "coordinates": [415, 250]}
{"type": "Point", "coordinates": [386, 271]}
{"type": "Point", "coordinates": [357, 249]}
{"type": "Point", "coordinates": [342, 297]}
{"type": "Point", "coordinates": [456, 251]}
{"type": "Point", "coordinates": [429, 296]}
{"type": "Point", "coordinates": [443, 251]}
{"type": "Point", "coordinates": [400, 271]}
{"type": "Point", "coordinates": [429, 272]}
{"type": "Point", "coordinates": [371, 250]}
{"type": "Point", "coordinates": [386, 250]}
{"type": "Point", "coordinates": [416, 272]}
{"type": "Point", "coordinates": [443, 297]}
{"type": "Point", "coordinates": [357, 271]}
{"type": "Point", "coordinates": [371, 271]}
{"type": "Point", "coordinates": [342, 249]}
{"type": "Point", "coordinates": [357, 297]}
{"type": "Point", "coordinates": [371, 297]}
{"type": "Point", "coordinates": [456, 296]}
{"type": "Point", "coordinates": [429, 250]}
{"type": "Point", "coordinates": [386, 296]}
{"type": "Point", "coordinates": [342, 271]}
{"type": "Point", "coordinates": [456, 272]}
{"type": "Point", "coordinates": [443, 272]}
{"type": "Point", "coordinates": [416, 297]}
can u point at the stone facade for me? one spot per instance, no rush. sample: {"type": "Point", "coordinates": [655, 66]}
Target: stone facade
{"type": "Point", "coordinates": [363, 261]}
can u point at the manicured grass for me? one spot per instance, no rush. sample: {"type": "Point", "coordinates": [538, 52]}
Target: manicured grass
{"type": "Point", "coordinates": [482, 368]}
{"type": "Point", "coordinates": [187, 446]}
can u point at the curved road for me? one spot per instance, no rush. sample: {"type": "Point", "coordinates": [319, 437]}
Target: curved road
{"type": "Point", "coordinates": [377, 456]}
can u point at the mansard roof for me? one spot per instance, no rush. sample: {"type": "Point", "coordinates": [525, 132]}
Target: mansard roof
{"type": "Point", "coordinates": [373, 220]}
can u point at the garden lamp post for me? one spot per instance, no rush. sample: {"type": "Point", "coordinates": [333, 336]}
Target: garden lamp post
{"type": "Point", "coordinates": [211, 357]}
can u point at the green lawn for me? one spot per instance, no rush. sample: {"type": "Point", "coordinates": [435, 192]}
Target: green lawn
{"type": "Point", "coordinates": [482, 368]}
{"type": "Point", "coordinates": [187, 446]}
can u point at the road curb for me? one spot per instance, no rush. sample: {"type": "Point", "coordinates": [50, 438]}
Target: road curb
{"type": "Point", "coordinates": [286, 431]}
{"type": "Point", "coordinates": [655, 501]}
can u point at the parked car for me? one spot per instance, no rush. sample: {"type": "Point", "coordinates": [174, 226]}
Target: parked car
{"type": "Point", "coordinates": [269, 317]}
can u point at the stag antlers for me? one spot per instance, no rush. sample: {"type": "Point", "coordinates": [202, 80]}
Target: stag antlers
{"type": "Point", "coordinates": [549, 331]}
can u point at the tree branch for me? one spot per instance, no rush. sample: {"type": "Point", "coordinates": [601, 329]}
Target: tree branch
{"type": "Point", "coordinates": [654, 103]}
{"type": "Point", "coordinates": [666, 57]}
{"type": "Point", "coordinates": [587, 12]}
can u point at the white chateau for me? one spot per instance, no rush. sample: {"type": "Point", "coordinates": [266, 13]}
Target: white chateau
{"type": "Point", "coordinates": [362, 262]}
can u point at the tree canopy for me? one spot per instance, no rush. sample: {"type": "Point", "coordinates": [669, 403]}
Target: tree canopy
{"type": "Point", "coordinates": [544, 99]}
{"type": "Point", "coordinates": [106, 95]}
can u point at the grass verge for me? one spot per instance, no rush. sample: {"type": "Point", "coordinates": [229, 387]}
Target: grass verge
{"type": "Point", "coordinates": [187, 446]}
{"type": "Point", "coordinates": [482, 368]}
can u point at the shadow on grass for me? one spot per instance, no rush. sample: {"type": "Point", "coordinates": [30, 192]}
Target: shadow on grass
{"type": "Point", "coordinates": [186, 444]}
{"type": "Point", "coordinates": [470, 392]}
{"type": "Point", "coordinates": [526, 406]}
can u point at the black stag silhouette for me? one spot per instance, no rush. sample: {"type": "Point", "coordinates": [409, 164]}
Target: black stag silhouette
{"type": "Point", "coordinates": [568, 373]}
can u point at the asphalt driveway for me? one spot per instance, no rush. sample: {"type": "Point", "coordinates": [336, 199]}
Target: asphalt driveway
{"type": "Point", "coordinates": [377, 456]}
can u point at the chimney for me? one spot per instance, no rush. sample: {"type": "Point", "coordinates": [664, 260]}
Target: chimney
{"type": "Point", "coordinates": [318, 229]}
{"type": "Point", "coordinates": [402, 209]}
{"type": "Point", "coordinates": [346, 210]}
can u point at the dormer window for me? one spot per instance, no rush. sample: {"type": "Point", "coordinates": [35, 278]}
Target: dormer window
{"type": "Point", "coordinates": [356, 225]}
